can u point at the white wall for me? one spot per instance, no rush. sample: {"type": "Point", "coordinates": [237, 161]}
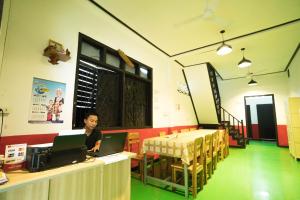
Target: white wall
{"type": "Point", "coordinates": [32, 23]}
{"type": "Point", "coordinates": [294, 80]}
{"type": "Point", "coordinates": [233, 100]}
{"type": "Point", "coordinates": [199, 84]}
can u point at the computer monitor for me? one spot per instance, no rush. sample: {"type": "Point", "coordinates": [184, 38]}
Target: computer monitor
{"type": "Point", "coordinates": [68, 142]}
{"type": "Point", "coordinates": [111, 143]}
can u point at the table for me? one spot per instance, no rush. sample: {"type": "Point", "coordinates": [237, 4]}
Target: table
{"type": "Point", "coordinates": [179, 145]}
{"type": "Point", "coordinates": [79, 181]}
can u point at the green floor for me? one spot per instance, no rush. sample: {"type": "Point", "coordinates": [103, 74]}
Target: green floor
{"type": "Point", "coordinates": [262, 171]}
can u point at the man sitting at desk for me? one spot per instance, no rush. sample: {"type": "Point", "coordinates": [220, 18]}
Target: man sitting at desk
{"type": "Point", "coordinates": [93, 135]}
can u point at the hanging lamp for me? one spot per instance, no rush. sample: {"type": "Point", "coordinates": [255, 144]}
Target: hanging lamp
{"type": "Point", "coordinates": [244, 62]}
{"type": "Point", "coordinates": [224, 48]}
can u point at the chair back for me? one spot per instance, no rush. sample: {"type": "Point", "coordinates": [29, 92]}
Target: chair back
{"type": "Point", "coordinates": [215, 142]}
{"type": "Point", "coordinates": [208, 146]}
{"type": "Point", "coordinates": [193, 129]}
{"type": "Point", "coordinates": [198, 153]}
{"type": "Point", "coordinates": [221, 138]}
{"type": "Point", "coordinates": [184, 130]}
{"type": "Point", "coordinates": [162, 133]}
{"type": "Point", "coordinates": [133, 139]}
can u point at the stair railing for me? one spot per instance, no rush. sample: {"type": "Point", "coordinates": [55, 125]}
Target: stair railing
{"type": "Point", "coordinates": [233, 121]}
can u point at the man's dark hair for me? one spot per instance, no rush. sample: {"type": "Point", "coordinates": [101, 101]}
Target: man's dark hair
{"type": "Point", "coordinates": [89, 113]}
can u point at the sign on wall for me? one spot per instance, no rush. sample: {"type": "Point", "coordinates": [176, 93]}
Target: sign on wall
{"type": "Point", "coordinates": [47, 101]}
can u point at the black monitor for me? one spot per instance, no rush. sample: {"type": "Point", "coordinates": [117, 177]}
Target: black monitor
{"type": "Point", "coordinates": [111, 143]}
{"type": "Point", "coordinates": [67, 142]}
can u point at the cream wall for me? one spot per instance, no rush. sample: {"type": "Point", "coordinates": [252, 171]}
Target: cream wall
{"type": "Point", "coordinates": [233, 100]}
{"type": "Point", "coordinates": [32, 23]}
{"type": "Point", "coordinates": [294, 80]}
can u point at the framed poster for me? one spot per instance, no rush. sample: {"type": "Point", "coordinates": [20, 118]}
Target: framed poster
{"type": "Point", "coordinates": [47, 101]}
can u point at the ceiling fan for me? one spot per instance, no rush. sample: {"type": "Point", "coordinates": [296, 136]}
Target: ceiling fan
{"type": "Point", "coordinates": [207, 14]}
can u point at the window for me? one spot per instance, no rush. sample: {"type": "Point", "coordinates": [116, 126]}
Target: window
{"type": "Point", "coordinates": [122, 95]}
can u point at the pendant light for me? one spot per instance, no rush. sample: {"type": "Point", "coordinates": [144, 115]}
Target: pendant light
{"type": "Point", "coordinates": [252, 82]}
{"type": "Point", "coordinates": [244, 62]}
{"type": "Point", "coordinates": [224, 48]}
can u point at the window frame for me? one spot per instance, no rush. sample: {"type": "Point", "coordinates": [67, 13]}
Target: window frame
{"type": "Point", "coordinates": [102, 63]}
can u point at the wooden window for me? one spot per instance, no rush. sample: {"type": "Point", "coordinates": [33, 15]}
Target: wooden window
{"type": "Point", "coordinates": [122, 95]}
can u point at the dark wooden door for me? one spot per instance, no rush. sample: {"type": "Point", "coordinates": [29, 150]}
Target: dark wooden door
{"type": "Point", "coordinates": [266, 121]}
{"type": "Point", "coordinates": [248, 121]}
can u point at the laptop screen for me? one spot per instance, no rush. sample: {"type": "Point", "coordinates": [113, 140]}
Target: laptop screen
{"type": "Point", "coordinates": [112, 143]}
{"type": "Point", "coordinates": [67, 142]}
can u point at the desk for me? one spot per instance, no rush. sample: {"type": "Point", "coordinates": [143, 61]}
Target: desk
{"type": "Point", "coordinates": [86, 180]}
{"type": "Point", "coordinates": [179, 145]}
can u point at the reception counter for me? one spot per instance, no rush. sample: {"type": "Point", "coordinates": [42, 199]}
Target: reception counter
{"type": "Point", "coordinates": [105, 179]}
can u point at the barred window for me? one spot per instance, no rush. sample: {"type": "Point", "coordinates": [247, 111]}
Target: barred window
{"type": "Point", "coordinates": [121, 95]}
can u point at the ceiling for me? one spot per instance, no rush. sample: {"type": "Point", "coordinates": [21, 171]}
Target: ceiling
{"type": "Point", "coordinates": [188, 31]}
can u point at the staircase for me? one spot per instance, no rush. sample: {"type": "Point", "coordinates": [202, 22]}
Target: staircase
{"type": "Point", "coordinates": [204, 93]}
{"type": "Point", "coordinates": [232, 125]}
{"type": "Point", "coordinates": [235, 129]}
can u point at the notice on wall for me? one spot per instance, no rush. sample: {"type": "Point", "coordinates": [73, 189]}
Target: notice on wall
{"type": "Point", "coordinates": [47, 101]}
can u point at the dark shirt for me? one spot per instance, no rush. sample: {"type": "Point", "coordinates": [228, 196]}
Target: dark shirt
{"type": "Point", "coordinates": [93, 138]}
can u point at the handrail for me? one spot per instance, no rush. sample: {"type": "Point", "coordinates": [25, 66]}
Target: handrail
{"type": "Point", "coordinates": [240, 123]}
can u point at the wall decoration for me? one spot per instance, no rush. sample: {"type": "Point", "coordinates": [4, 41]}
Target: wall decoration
{"type": "Point", "coordinates": [47, 101]}
{"type": "Point", "coordinates": [55, 52]}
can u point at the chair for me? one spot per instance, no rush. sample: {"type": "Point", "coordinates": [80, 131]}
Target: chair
{"type": "Point", "coordinates": [221, 144]}
{"type": "Point", "coordinates": [184, 130]}
{"type": "Point", "coordinates": [215, 149]}
{"type": "Point", "coordinates": [207, 157]}
{"type": "Point", "coordinates": [133, 139]}
{"type": "Point", "coordinates": [162, 133]}
{"type": "Point", "coordinates": [193, 129]}
{"type": "Point", "coordinates": [174, 131]}
{"type": "Point", "coordinates": [194, 169]}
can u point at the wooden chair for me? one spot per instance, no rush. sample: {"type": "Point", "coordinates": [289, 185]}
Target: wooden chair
{"type": "Point", "coordinates": [197, 167]}
{"type": "Point", "coordinates": [184, 130]}
{"type": "Point", "coordinates": [162, 133]}
{"type": "Point", "coordinates": [215, 149]}
{"type": "Point", "coordinates": [221, 144]}
{"type": "Point", "coordinates": [174, 131]}
{"type": "Point", "coordinates": [133, 140]}
{"type": "Point", "coordinates": [193, 129]}
{"type": "Point", "coordinates": [226, 141]}
{"type": "Point", "coordinates": [207, 157]}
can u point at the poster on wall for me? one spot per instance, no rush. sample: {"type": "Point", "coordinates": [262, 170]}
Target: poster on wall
{"type": "Point", "coordinates": [47, 101]}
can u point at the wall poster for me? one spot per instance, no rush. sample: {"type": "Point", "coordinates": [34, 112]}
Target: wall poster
{"type": "Point", "coordinates": [47, 101]}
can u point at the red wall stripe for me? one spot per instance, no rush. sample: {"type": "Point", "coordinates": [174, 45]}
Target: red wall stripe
{"type": "Point", "coordinates": [282, 135]}
{"type": "Point", "coordinates": [48, 138]}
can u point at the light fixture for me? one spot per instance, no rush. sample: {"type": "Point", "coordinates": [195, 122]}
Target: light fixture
{"type": "Point", "coordinates": [244, 62]}
{"type": "Point", "coordinates": [252, 82]}
{"type": "Point", "coordinates": [224, 48]}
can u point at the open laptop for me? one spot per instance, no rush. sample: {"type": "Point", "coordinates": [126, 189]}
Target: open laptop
{"type": "Point", "coordinates": [111, 143]}
{"type": "Point", "coordinates": [68, 142]}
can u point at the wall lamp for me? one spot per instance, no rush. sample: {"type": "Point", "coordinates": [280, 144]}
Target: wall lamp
{"type": "Point", "coordinates": [244, 62]}
{"type": "Point", "coordinates": [224, 48]}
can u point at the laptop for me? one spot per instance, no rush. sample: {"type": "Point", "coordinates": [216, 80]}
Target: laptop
{"type": "Point", "coordinates": [111, 143]}
{"type": "Point", "coordinates": [68, 142]}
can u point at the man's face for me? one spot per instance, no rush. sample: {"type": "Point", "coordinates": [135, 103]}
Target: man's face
{"type": "Point", "coordinates": [91, 122]}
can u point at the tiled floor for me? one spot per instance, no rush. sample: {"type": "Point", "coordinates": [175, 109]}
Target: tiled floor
{"type": "Point", "coordinates": [262, 171]}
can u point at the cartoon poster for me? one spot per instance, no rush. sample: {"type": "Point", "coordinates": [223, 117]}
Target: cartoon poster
{"type": "Point", "coordinates": [47, 101]}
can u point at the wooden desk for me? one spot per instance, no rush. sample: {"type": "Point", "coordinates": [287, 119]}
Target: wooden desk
{"type": "Point", "coordinates": [86, 180]}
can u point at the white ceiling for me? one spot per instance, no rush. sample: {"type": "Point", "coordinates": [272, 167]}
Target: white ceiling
{"type": "Point", "coordinates": [268, 29]}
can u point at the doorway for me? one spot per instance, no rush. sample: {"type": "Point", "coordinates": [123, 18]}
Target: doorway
{"type": "Point", "coordinates": [261, 117]}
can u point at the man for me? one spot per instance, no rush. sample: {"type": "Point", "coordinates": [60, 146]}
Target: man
{"type": "Point", "coordinates": [93, 135]}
